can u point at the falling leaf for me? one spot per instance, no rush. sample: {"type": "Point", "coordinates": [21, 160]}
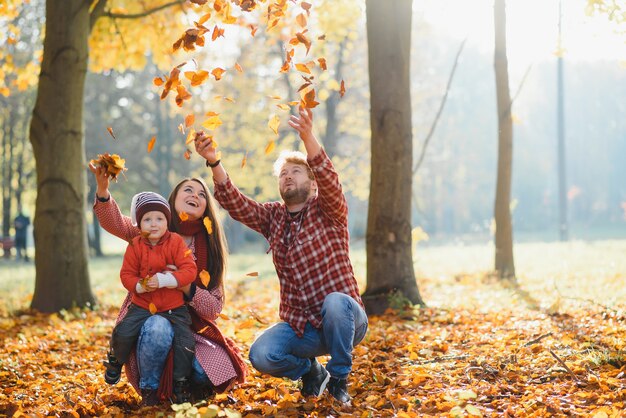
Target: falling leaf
{"type": "Point", "coordinates": [303, 68]}
{"type": "Point", "coordinates": [301, 20]}
{"type": "Point", "coordinates": [224, 316]}
{"type": "Point", "coordinates": [217, 32]}
{"type": "Point", "coordinates": [322, 37]}
{"type": "Point", "coordinates": [308, 99]}
{"type": "Point", "coordinates": [205, 277]}
{"type": "Point", "coordinates": [158, 81]}
{"type": "Point", "coordinates": [187, 253]}
{"type": "Point", "coordinates": [244, 160]}
{"type": "Point", "coordinates": [253, 274]}
{"type": "Point", "coordinates": [273, 123]}
{"type": "Point", "coordinates": [204, 18]}
{"type": "Point", "coordinates": [322, 62]}
{"type": "Point", "coordinates": [238, 67]}
{"type": "Point", "coordinates": [181, 128]}
{"type": "Point", "coordinates": [229, 99]}
{"type": "Point", "coordinates": [187, 154]}
{"type": "Point", "coordinates": [212, 123]}
{"type": "Point", "coordinates": [152, 307]}
{"type": "Point", "coordinates": [342, 89]}
{"type": "Point", "coordinates": [217, 73]}
{"type": "Point", "coordinates": [197, 77]}
{"type": "Point", "coordinates": [182, 95]}
{"type": "Point", "coordinates": [275, 97]}
{"type": "Point", "coordinates": [189, 119]}
{"type": "Point", "coordinates": [258, 317]}
{"type": "Point", "coordinates": [183, 216]}
{"type": "Point", "coordinates": [111, 132]}
{"type": "Point", "coordinates": [306, 6]}
{"type": "Point", "coordinates": [283, 106]}
{"type": "Point", "coordinates": [211, 113]}
{"type": "Point", "coordinates": [208, 225]}
{"type": "Point", "coordinates": [151, 144]}
{"type": "Point", "coordinates": [270, 147]}
{"type": "Point", "coordinates": [203, 329]}
{"type": "Point", "coordinates": [190, 136]}
{"type": "Point", "coordinates": [253, 29]}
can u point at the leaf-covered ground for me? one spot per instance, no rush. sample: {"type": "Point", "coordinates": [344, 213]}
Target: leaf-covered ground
{"type": "Point", "coordinates": [482, 349]}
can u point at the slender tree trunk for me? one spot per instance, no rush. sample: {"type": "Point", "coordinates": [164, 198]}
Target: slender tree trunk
{"type": "Point", "coordinates": [504, 264]}
{"type": "Point", "coordinates": [388, 243]}
{"type": "Point", "coordinates": [62, 276]}
{"type": "Point", "coordinates": [563, 218]}
{"type": "Point", "coordinates": [331, 136]}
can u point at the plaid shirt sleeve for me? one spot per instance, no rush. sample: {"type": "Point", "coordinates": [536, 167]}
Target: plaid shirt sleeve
{"type": "Point", "coordinates": [330, 194]}
{"type": "Point", "coordinates": [241, 208]}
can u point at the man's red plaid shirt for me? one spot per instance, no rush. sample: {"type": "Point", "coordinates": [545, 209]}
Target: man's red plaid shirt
{"type": "Point", "coordinates": [310, 251]}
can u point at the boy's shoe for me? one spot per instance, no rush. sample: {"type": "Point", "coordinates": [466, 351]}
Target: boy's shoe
{"type": "Point", "coordinates": [339, 389]}
{"type": "Point", "coordinates": [315, 380]}
{"type": "Point", "coordinates": [182, 392]}
{"type": "Point", "coordinates": [114, 369]}
{"type": "Point", "coordinates": [149, 397]}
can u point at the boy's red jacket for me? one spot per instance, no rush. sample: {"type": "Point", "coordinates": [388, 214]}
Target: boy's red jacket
{"type": "Point", "coordinates": [143, 260]}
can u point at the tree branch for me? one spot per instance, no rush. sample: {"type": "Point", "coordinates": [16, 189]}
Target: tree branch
{"type": "Point", "coordinates": [440, 111]}
{"type": "Point", "coordinates": [142, 14]}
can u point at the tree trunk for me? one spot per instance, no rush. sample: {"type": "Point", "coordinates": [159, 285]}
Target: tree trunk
{"type": "Point", "coordinates": [504, 264]}
{"type": "Point", "coordinates": [62, 276]}
{"type": "Point", "coordinates": [390, 273]}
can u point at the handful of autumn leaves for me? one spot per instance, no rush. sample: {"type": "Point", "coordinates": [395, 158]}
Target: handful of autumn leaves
{"type": "Point", "coordinates": [113, 164]}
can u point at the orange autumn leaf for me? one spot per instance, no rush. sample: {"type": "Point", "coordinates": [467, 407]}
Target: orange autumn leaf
{"type": "Point", "coordinates": [273, 123]}
{"type": "Point", "coordinates": [322, 62]}
{"type": "Point", "coordinates": [217, 73]}
{"type": "Point", "coordinates": [111, 132]}
{"type": "Point", "coordinates": [211, 113]}
{"type": "Point", "coordinates": [204, 18]}
{"type": "Point", "coordinates": [151, 144]}
{"type": "Point", "coordinates": [205, 277]}
{"type": "Point", "coordinates": [238, 67]}
{"type": "Point", "coordinates": [182, 95]}
{"type": "Point", "coordinates": [342, 89]}
{"type": "Point", "coordinates": [158, 81]}
{"type": "Point", "coordinates": [152, 307]}
{"type": "Point", "coordinates": [208, 225]}
{"type": "Point", "coordinates": [229, 99]}
{"type": "Point", "coordinates": [190, 136]}
{"type": "Point", "coordinates": [270, 147]}
{"type": "Point", "coordinates": [187, 253]}
{"type": "Point", "coordinates": [306, 6]}
{"type": "Point", "coordinates": [187, 154]}
{"type": "Point", "coordinates": [183, 216]}
{"type": "Point", "coordinates": [253, 274]}
{"type": "Point", "coordinates": [203, 329]}
{"type": "Point", "coordinates": [322, 37]}
{"type": "Point", "coordinates": [301, 20]}
{"type": "Point", "coordinates": [308, 99]}
{"type": "Point", "coordinates": [253, 30]}
{"type": "Point", "coordinates": [189, 120]}
{"type": "Point", "coordinates": [244, 160]}
{"type": "Point", "coordinates": [303, 68]}
{"type": "Point", "coordinates": [217, 32]}
{"type": "Point", "coordinates": [112, 164]}
{"type": "Point", "coordinates": [197, 77]}
{"type": "Point", "coordinates": [224, 316]}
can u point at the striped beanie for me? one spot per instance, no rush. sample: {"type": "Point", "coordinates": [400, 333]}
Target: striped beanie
{"type": "Point", "coordinates": [145, 202]}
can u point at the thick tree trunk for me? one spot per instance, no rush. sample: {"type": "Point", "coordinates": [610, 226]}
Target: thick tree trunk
{"type": "Point", "coordinates": [62, 276]}
{"type": "Point", "coordinates": [388, 244]}
{"type": "Point", "coordinates": [504, 265]}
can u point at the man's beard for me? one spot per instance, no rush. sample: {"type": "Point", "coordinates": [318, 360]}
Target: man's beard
{"type": "Point", "coordinates": [297, 195]}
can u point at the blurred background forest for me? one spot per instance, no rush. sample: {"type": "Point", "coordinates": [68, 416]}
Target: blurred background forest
{"type": "Point", "coordinates": [453, 189]}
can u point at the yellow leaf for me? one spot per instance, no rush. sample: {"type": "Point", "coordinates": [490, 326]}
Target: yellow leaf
{"type": "Point", "coordinates": [270, 147]}
{"type": "Point", "coordinates": [208, 225]}
{"type": "Point", "coordinates": [152, 307]}
{"type": "Point", "coordinates": [212, 123]}
{"type": "Point", "coordinates": [205, 277]}
{"type": "Point", "coordinates": [244, 160]}
{"type": "Point", "coordinates": [189, 119]}
{"type": "Point", "coordinates": [151, 144]}
{"type": "Point", "coordinates": [224, 316]}
{"type": "Point", "coordinates": [187, 253]}
{"type": "Point", "coordinates": [203, 329]}
{"type": "Point", "coordinates": [473, 411]}
{"type": "Point", "coordinates": [190, 136]}
{"type": "Point", "coordinates": [303, 68]}
{"type": "Point", "coordinates": [238, 67]}
{"type": "Point", "coordinates": [274, 123]}
{"type": "Point", "coordinates": [183, 216]}
{"type": "Point", "coordinates": [283, 106]}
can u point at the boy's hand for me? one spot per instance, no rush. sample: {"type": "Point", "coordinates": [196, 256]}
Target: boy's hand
{"type": "Point", "coordinates": [150, 284]}
{"type": "Point", "coordinates": [102, 180]}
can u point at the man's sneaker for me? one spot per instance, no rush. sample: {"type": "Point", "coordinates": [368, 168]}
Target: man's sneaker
{"type": "Point", "coordinates": [114, 370]}
{"type": "Point", "coordinates": [339, 389]}
{"type": "Point", "coordinates": [182, 392]}
{"type": "Point", "coordinates": [315, 380]}
{"type": "Point", "coordinates": [149, 397]}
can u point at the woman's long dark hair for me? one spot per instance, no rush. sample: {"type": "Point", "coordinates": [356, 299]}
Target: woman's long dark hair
{"type": "Point", "coordinates": [217, 249]}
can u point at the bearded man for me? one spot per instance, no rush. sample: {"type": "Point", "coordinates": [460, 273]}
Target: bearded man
{"type": "Point", "coordinates": [320, 306]}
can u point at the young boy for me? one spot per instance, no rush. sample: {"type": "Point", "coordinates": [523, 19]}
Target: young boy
{"type": "Point", "coordinates": [147, 274]}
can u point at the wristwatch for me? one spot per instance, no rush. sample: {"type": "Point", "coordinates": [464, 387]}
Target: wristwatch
{"type": "Point", "coordinates": [103, 199]}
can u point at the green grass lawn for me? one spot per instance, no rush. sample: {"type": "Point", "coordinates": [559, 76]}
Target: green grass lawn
{"type": "Point", "coordinates": [448, 276]}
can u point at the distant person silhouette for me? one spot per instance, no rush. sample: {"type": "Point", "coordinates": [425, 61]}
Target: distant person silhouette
{"type": "Point", "coordinates": [21, 223]}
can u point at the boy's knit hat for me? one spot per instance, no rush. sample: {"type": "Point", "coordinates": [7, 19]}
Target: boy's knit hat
{"type": "Point", "coordinates": [145, 202]}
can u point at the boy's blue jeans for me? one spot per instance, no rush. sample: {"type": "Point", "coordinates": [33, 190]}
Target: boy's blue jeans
{"type": "Point", "coordinates": [155, 341]}
{"type": "Point", "coordinates": [280, 352]}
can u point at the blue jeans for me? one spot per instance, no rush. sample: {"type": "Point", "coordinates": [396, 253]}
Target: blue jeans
{"type": "Point", "coordinates": [280, 352]}
{"type": "Point", "coordinates": [154, 343]}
